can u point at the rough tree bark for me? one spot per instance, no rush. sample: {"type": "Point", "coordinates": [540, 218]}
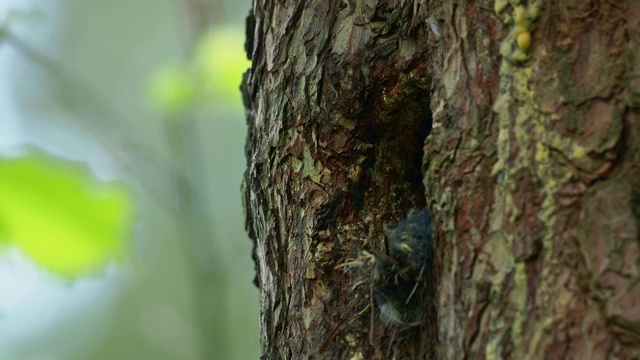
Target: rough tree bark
{"type": "Point", "coordinates": [516, 123]}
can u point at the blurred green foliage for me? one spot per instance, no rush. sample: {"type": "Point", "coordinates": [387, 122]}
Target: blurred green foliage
{"type": "Point", "coordinates": [172, 89]}
{"type": "Point", "coordinates": [213, 73]}
{"type": "Point", "coordinates": [221, 60]}
{"type": "Point", "coordinates": [183, 288]}
{"type": "Point", "coordinates": [57, 214]}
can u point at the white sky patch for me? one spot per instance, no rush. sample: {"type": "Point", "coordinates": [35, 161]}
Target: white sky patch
{"type": "Point", "coordinates": [35, 303]}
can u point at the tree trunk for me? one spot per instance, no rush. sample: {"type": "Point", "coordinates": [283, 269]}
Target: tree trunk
{"type": "Point", "coordinates": [521, 121]}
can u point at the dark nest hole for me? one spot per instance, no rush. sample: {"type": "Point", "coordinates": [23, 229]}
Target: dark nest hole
{"type": "Point", "coordinates": [401, 123]}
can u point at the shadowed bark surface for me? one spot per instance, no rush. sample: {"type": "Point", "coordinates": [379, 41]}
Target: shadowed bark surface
{"type": "Point", "coordinates": [517, 125]}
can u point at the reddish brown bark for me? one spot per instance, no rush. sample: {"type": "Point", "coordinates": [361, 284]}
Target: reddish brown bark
{"type": "Point", "coordinates": [531, 170]}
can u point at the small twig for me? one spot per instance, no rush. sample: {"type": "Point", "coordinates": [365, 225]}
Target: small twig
{"type": "Point", "coordinates": [393, 337]}
{"type": "Point", "coordinates": [371, 304]}
{"type": "Point", "coordinates": [416, 286]}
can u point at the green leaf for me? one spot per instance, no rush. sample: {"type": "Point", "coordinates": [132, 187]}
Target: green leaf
{"type": "Point", "coordinates": [62, 218]}
{"type": "Point", "coordinates": [172, 88]}
{"type": "Point", "coordinates": [221, 59]}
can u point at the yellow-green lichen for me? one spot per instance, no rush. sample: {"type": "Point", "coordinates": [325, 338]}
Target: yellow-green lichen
{"type": "Point", "coordinates": [579, 152]}
{"type": "Point", "coordinates": [521, 125]}
{"type": "Point", "coordinates": [519, 297]}
{"type": "Point", "coordinates": [311, 274]}
{"type": "Point", "coordinates": [542, 152]}
{"type": "Point", "coordinates": [491, 350]}
{"type": "Point", "coordinates": [524, 40]}
{"type": "Point", "coordinates": [519, 16]}
{"type": "Point", "coordinates": [518, 30]}
{"type": "Point", "coordinates": [516, 45]}
{"type": "Point", "coordinates": [523, 147]}
{"type": "Point", "coordinates": [533, 11]}
{"type": "Point", "coordinates": [351, 339]}
{"type": "Point", "coordinates": [500, 5]}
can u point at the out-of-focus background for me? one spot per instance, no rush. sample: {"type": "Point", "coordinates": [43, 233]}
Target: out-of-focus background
{"type": "Point", "coordinates": [121, 157]}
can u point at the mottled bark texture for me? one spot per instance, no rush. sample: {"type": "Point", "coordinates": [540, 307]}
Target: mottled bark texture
{"type": "Point", "coordinates": [530, 167]}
